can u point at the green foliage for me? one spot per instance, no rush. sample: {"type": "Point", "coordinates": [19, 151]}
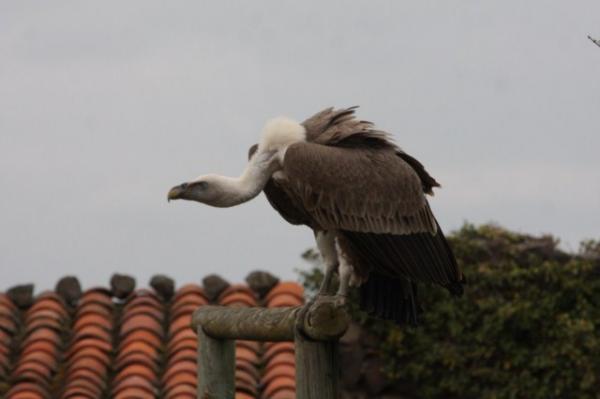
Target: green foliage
{"type": "Point", "coordinates": [528, 325]}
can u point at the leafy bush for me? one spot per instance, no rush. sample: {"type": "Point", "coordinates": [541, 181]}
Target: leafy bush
{"type": "Point", "coordinates": [527, 327]}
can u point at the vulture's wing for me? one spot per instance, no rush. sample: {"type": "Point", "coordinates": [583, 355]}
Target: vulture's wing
{"type": "Point", "coordinates": [358, 189]}
{"type": "Point", "coordinates": [376, 199]}
{"type": "Point", "coordinates": [280, 201]}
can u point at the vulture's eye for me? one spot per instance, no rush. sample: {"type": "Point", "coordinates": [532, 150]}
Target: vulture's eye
{"type": "Point", "coordinates": [202, 185]}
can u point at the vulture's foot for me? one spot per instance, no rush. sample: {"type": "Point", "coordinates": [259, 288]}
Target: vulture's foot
{"type": "Point", "coordinates": [316, 305]}
{"type": "Point", "coordinates": [304, 311]}
{"type": "Point", "coordinates": [341, 300]}
{"type": "Point", "coordinates": [327, 285]}
{"type": "Point", "coordinates": [324, 291]}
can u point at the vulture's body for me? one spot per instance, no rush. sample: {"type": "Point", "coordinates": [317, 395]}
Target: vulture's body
{"type": "Point", "coordinates": [365, 200]}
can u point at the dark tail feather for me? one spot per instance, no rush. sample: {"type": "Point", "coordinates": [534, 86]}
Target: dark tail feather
{"type": "Point", "coordinates": [390, 299]}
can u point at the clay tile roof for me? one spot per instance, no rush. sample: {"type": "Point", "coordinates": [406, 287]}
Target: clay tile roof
{"type": "Point", "coordinates": [286, 287]}
{"type": "Point", "coordinates": [181, 392]}
{"type": "Point", "coordinates": [282, 300]}
{"type": "Point", "coordinates": [141, 346]}
{"type": "Point", "coordinates": [284, 393]}
{"type": "Point", "coordinates": [187, 289]}
{"type": "Point", "coordinates": [279, 384]}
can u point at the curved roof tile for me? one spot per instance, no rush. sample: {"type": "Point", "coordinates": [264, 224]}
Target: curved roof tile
{"type": "Point", "coordinates": [279, 384]}
{"type": "Point", "coordinates": [286, 287]}
{"type": "Point", "coordinates": [27, 390]}
{"type": "Point", "coordinates": [181, 391]}
{"type": "Point", "coordinates": [282, 300]}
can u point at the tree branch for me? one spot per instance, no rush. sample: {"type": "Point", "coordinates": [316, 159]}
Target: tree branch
{"type": "Point", "coordinates": [596, 41]}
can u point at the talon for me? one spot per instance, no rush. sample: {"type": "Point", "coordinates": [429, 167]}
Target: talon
{"type": "Point", "coordinates": [341, 300]}
{"type": "Point", "coordinates": [304, 312]}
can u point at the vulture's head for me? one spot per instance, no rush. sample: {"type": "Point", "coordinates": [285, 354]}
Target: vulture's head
{"type": "Point", "coordinates": [209, 189]}
{"type": "Point", "coordinates": [265, 159]}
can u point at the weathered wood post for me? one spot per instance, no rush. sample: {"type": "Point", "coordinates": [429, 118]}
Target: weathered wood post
{"type": "Point", "coordinates": [315, 336]}
{"type": "Point", "coordinates": [216, 365]}
{"type": "Point", "coordinates": [316, 343]}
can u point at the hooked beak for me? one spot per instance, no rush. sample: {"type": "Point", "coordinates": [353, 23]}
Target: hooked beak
{"type": "Point", "coordinates": [176, 192]}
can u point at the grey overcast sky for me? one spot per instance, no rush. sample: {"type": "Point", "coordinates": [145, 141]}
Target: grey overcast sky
{"type": "Point", "coordinates": [105, 105]}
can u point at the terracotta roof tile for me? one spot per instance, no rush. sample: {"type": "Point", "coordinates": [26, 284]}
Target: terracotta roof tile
{"type": "Point", "coordinates": [279, 384]}
{"type": "Point", "coordinates": [183, 345]}
{"type": "Point", "coordinates": [89, 352]}
{"type": "Point", "coordinates": [95, 297]}
{"type": "Point", "coordinates": [184, 333]}
{"type": "Point", "coordinates": [185, 308]}
{"type": "Point", "coordinates": [180, 378]}
{"type": "Point", "coordinates": [39, 358]}
{"type": "Point", "coordinates": [181, 392]}
{"type": "Point", "coordinates": [280, 359]}
{"type": "Point", "coordinates": [134, 393]}
{"type": "Point", "coordinates": [286, 287]}
{"type": "Point", "coordinates": [92, 331]}
{"type": "Point", "coordinates": [94, 308]}
{"type": "Point", "coordinates": [85, 374]}
{"type": "Point", "coordinates": [188, 288]}
{"type": "Point", "coordinates": [79, 392]}
{"type": "Point", "coordinates": [238, 299]}
{"type": "Point", "coordinates": [245, 381]}
{"type": "Point", "coordinates": [141, 336]}
{"type": "Point", "coordinates": [278, 347]}
{"type": "Point", "coordinates": [142, 299]}
{"type": "Point", "coordinates": [283, 300]}
{"type": "Point", "coordinates": [188, 367]}
{"type": "Point", "coordinates": [179, 324]}
{"type": "Point", "coordinates": [27, 390]}
{"type": "Point", "coordinates": [285, 393]}
{"type": "Point", "coordinates": [135, 381]}
{"type": "Point", "coordinates": [50, 303]}
{"type": "Point", "coordinates": [185, 354]}
{"type": "Point", "coordinates": [142, 359]}
{"type": "Point", "coordinates": [8, 325]}
{"type": "Point", "coordinates": [93, 319]}
{"type": "Point", "coordinates": [143, 346]}
{"type": "Point", "coordinates": [247, 355]}
{"type": "Point", "coordinates": [5, 338]}
{"type": "Point", "coordinates": [146, 310]}
{"type": "Point", "coordinates": [6, 311]}
{"type": "Point", "coordinates": [5, 301]}
{"type": "Point", "coordinates": [83, 387]}
{"type": "Point", "coordinates": [283, 370]}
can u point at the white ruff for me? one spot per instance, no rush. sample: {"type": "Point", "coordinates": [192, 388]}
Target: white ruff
{"type": "Point", "coordinates": [279, 133]}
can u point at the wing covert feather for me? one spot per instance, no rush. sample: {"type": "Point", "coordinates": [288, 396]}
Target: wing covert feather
{"type": "Point", "coordinates": [358, 189]}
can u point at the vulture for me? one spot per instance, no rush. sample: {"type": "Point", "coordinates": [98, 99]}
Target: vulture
{"type": "Point", "coordinates": [363, 197]}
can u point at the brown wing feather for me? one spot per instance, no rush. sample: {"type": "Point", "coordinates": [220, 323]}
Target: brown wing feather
{"type": "Point", "coordinates": [340, 127]}
{"type": "Point", "coordinates": [421, 257]}
{"type": "Point", "coordinates": [427, 181]}
{"type": "Point", "coordinates": [281, 201]}
{"type": "Point", "coordinates": [284, 204]}
{"type": "Point", "coordinates": [357, 189]}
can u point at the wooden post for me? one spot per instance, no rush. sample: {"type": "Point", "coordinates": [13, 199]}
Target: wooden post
{"type": "Point", "coordinates": [315, 331]}
{"type": "Point", "coordinates": [317, 368]}
{"type": "Point", "coordinates": [216, 367]}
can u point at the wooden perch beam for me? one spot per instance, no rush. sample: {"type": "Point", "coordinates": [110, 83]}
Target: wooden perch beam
{"type": "Point", "coordinates": [253, 324]}
{"type": "Point", "coordinates": [325, 320]}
